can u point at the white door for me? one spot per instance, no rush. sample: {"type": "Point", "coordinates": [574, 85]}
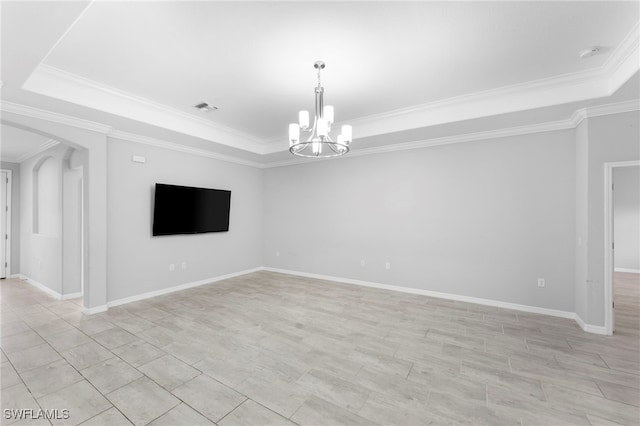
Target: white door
{"type": "Point", "coordinates": [3, 224]}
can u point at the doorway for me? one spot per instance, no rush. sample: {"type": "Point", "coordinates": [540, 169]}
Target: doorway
{"type": "Point", "coordinates": [622, 248]}
{"type": "Point", "coordinates": [5, 224]}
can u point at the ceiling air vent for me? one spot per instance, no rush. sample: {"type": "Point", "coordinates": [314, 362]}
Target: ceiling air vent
{"type": "Point", "coordinates": [586, 53]}
{"type": "Point", "coordinates": [206, 107]}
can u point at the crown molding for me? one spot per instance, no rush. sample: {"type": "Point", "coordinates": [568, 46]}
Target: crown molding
{"type": "Point", "coordinates": [109, 131]}
{"type": "Point", "coordinates": [544, 92]}
{"type": "Point", "coordinates": [570, 123]}
{"type": "Point", "coordinates": [60, 84]}
{"type": "Point", "coordinates": [576, 118]}
{"type": "Point", "coordinates": [518, 97]}
{"type": "Point", "coordinates": [445, 140]}
{"type": "Point", "coordinates": [40, 148]}
{"type": "Point", "coordinates": [131, 137]}
{"type": "Point", "coordinates": [572, 87]}
{"type": "Point", "coordinates": [616, 108]}
{"type": "Point", "coordinates": [43, 147]}
{"type": "Point", "coordinates": [54, 117]}
{"type": "Point", "coordinates": [623, 61]}
{"type": "Point", "coordinates": [595, 83]}
{"type": "Point", "coordinates": [608, 109]}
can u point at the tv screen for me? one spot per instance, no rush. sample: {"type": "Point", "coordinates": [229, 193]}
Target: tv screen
{"type": "Point", "coordinates": [188, 210]}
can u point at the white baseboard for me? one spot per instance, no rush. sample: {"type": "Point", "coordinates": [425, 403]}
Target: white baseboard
{"type": "Point", "coordinates": [448, 296]}
{"type": "Point", "coordinates": [71, 296]}
{"type": "Point", "coordinates": [39, 286]}
{"type": "Point", "coordinates": [95, 310]}
{"type": "Point", "coordinates": [179, 287]}
{"type": "Point", "coordinates": [46, 289]}
{"type": "Point", "coordinates": [632, 271]}
{"type": "Point", "coordinates": [589, 328]}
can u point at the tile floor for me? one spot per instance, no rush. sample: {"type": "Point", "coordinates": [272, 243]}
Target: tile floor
{"type": "Point", "coordinates": [271, 349]}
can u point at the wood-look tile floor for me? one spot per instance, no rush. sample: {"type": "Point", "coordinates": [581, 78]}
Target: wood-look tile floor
{"type": "Point", "coordinates": [272, 349]}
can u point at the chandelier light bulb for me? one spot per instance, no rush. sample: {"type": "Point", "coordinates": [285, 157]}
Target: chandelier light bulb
{"type": "Point", "coordinates": [294, 133]}
{"type": "Point", "coordinates": [303, 119]}
{"type": "Point", "coordinates": [341, 143]}
{"type": "Point", "coordinates": [317, 148]}
{"type": "Point", "coordinates": [347, 133]}
{"type": "Point", "coordinates": [322, 127]}
{"type": "Point", "coordinates": [328, 113]}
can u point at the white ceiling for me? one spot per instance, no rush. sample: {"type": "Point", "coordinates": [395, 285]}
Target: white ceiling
{"type": "Point", "coordinates": [392, 67]}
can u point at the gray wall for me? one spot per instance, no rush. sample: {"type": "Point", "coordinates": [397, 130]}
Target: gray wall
{"type": "Point", "coordinates": [72, 221]}
{"type": "Point", "coordinates": [482, 219]}
{"type": "Point", "coordinates": [612, 138]}
{"type": "Point", "coordinates": [139, 263]}
{"type": "Point", "coordinates": [41, 254]}
{"type": "Point", "coordinates": [15, 214]}
{"type": "Point", "coordinates": [626, 217]}
{"type": "Point", "coordinates": [582, 220]}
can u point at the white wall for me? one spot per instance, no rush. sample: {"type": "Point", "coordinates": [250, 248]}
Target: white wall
{"type": "Point", "coordinates": [626, 217]}
{"type": "Point", "coordinates": [72, 222]}
{"type": "Point", "coordinates": [582, 219]}
{"type": "Point", "coordinates": [611, 138]}
{"type": "Point", "coordinates": [40, 239]}
{"type": "Point", "coordinates": [15, 214]}
{"type": "Point", "coordinates": [139, 263]}
{"type": "Point", "coordinates": [482, 219]}
{"type": "Point", "coordinates": [46, 184]}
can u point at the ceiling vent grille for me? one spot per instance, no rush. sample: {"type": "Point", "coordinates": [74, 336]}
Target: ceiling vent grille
{"type": "Point", "coordinates": [206, 107]}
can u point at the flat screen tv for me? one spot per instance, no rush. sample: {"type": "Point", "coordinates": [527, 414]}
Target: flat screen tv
{"type": "Point", "coordinates": [189, 210]}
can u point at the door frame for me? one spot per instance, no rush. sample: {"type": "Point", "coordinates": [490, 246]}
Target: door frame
{"type": "Point", "coordinates": [609, 318]}
{"type": "Point", "coordinates": [7, 252]}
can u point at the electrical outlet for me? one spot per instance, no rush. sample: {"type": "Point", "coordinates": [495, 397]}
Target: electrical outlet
{"type": "Point", "coordinates": [184, 265]}
{"type": "Point", "coordinates": [387, 265]}
{"type": "Point", "coordinates": [542, 282]}
{"type": "Point", "coordinates": [277, 254]}
{"type": "Point", "coordinates": [362, 262]}
{"type": "Point", "coordinates": [172, 267]}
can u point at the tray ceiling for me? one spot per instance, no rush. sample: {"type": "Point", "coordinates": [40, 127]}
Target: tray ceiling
{"type": "Point", "coordinates": [391, 66]}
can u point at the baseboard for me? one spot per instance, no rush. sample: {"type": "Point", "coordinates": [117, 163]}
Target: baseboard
{"type": "Point", "coordinates": [632, 271]}
{"type": "Point", "coordinates": [439, 295]}
{"type": "Point", "coordinates": [46, 289]}
{"type": "Point", "coordinates": [71, 296]}
{"type": "Point", "coordinates": [95, 310]}
{"type": "Point", "coordinates": [39, 286]}
{"type": "Point", "coordinates": [589, 328]}
{"type": "Point", "coordinates": [180, 287]}
{"type": "Point", "coordinates": [595, 329]}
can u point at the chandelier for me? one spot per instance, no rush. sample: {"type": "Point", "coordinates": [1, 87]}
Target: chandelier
{"type": "Point", "coordinates": [318, 143]}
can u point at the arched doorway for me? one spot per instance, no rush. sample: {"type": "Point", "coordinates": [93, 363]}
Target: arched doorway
{"type": "Point", "coordinates": [92, 144]}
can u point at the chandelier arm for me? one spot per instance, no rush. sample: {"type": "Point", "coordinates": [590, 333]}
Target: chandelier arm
{"type": "Point", "coordinates": [312, 131]}
{"type": "Point", "coordinates": [332, 148]}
